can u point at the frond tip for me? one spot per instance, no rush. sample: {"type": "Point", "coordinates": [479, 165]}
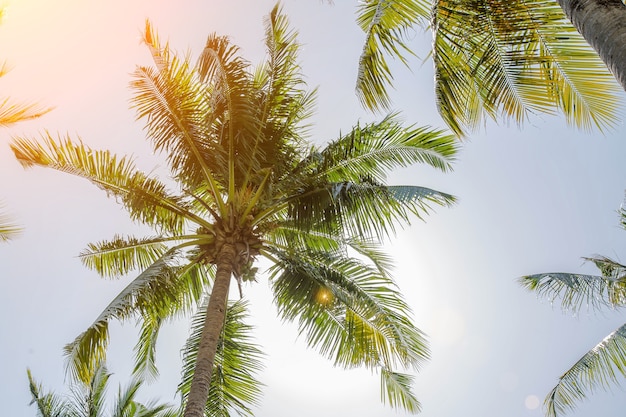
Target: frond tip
{"type": "Point", "coordinates": [598, 368]}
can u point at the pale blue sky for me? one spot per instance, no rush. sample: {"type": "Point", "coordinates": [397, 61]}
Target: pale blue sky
{"type": "Point", "coordinates": [531, 200]}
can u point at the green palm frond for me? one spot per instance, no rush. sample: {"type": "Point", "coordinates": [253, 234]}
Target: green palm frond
{"type": "Point", "coordinates": [372, 251]}
{"type": "Point", "coordinates": [121, 254]}
{"type": "Point", "coordinates": [186, 292]}
{"type": "Point", "coordinates": [284, 100]}
{"type": "Point", "coordinates": [598, 368]}
{"type": "Point", "coordinates": [347, 310]}
{"type": "Point", "coordinates": [48, 404]}
{"type": "Point", "coordinates": [386, 25]}
{"type": "Point", "coordinates": [396, 390]}
{"type": "Point", "coordinates": [125, 399]}
{"type": "Point", "coordinates": [515, 58]}
{"type": "Point", "coordinates": [152, 288]}
{"type": "Point", "coordinates": [287, 235]}
{"type": "Point", "coordinates": [170, 98]}
{"type": "Point", "coordinates": [145, 198]}
{"type": "Point", "coordinates": [365, 208]}
{"type": "Point", "coordinates": [377, 148]}
{"type": "Point", "coordinates": [234, 106]}
{"type": "Point", "coordinates": [234, 387]}
{"type": "Point", "coordinates": [578, 290]}
{"type": "Point", "coordinates": [145, 349]}
{"type": "Point", "coordinates": [87, 399]}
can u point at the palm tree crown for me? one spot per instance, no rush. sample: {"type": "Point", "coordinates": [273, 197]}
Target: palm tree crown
{"type": "Point", "coordinates": [249, 186]}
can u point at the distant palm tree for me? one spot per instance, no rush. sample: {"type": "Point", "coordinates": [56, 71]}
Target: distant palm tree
{"type": "Point", "coordinates": [493, 58]}
{"type": "Point", "coordinates": [249, 185]}
{"type": "Point", "coordinates": [601, 366]}
{"type": "Point", "coordinates": [88, 400]}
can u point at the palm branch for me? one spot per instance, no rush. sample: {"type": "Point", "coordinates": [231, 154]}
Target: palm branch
{"type": "Point", "coordinates": [600, 367]}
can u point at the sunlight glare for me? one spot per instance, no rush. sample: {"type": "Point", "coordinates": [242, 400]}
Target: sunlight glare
{"type": "Point", "coordinates": [532, 402]}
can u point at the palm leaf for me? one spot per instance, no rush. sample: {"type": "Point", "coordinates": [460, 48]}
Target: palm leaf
{"type": "Point", "coordinates": [284, 101]}
{"type": "Point", "coordinates": [234, 386]}
{"type": "Point", "coordinates": [122, 255]}
{"type": "Point", "coordinates": [177, 114]}
{"type": "Point", "coordinates": [598, 368]}
{"type": "Point", "coordinates": [579, 290]}
{"type": "Point", "coordinates": [397, 387]}
{"type": "Point", "coordinates": [145, 198]}
{"type": "Point", "coordinates": [152, 288]}
{"type": "Point", "coordinates": [347, 310]}
{"type": "Point", "coordinates": [363, 209]}
{"type": "Point", "coordinates": [377, 148]}
{"type": "Point", "coordinates": [515, 58]}
{"type": "Point", "coordinates": [11, 113]}
{"type": "Point", "coordinates": [48, 405]}
{"type": "Point", "coordinates": [386, 25]}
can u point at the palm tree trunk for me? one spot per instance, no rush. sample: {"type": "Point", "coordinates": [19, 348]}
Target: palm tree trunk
{"type": "Point", "coordinates": [213, 325]}
{"type": "Point", "coordinates": [603, 25]}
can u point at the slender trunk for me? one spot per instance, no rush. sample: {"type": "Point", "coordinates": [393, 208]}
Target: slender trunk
{"type": "Point", "coordinates": [213, 325]}
{"type": "Point", "coordinates": [603, 25]}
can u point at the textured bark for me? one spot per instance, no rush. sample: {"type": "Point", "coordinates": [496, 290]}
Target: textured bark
{"type": "Point", "coordinates": [213, 325]}
{"type": "Point", "coordinates": [603, 25]}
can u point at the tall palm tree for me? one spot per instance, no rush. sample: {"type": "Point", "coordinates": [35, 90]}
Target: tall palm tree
{"type": "Point", "coordinates": [601, 366]}
{"type": "Point", "coordinates": [499, 58]}
{"type": "Point", "coordinates": [249, 186]}
{"type": "Point", "coordinates": [89, 400]}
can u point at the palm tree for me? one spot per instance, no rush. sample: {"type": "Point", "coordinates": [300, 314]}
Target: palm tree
{"type": "Point", "coordinates": [600, 366]}
{"type": "Point", "coordinates": [497, 58]}
{"type": "Point", "coordinates": [250, 186]}
{"type": "Point", "coordinates": [88, 400]}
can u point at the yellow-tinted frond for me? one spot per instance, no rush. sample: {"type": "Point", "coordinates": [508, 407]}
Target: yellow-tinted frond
{"type": "Point", "coordinates": [512, 58]}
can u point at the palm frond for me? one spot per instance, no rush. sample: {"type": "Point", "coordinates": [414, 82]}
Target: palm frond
{"type": "Point", "coordinates": [284, 101]}
{"type": "Point", "coordinates": [377, 148]}
{"type": "Point", "coordinates": [145, 349]}
{"type": "Point", "coordinates": [185, 295]}
{"type": "Point", "coordinates": [11, 113]}
{"type": "Point", "coordinates": [598, 368]}
{"type": "Point", "coordinates": [152, 288]}
{"type": "Point", "coordinates": [515, 58]}
{"type": "Point", "coordinates": [123, 254]}
{"type": "Point", "coordinates": [235, 107]}
{"type": "Point", "coordinates": [386, 25]}
{"type": "Point", "coordinates": [234, 386]}
{"type": "Point", "coordinates": [48, 404]}
{"type": "Point", "coordinates": [178, 116]}
{"type": "Point", "coordinates": [145, 198]}
{"type": "Point", "coordinates": [396, 389]}
{"type": "Point", "coordinates": [90, 400]}
{"type": "Point", "coordinates": [363, 208]}
{"type": "Point", "coordinates": [578, 290]}
{"type": "Point", "coordinates": [347, 310]}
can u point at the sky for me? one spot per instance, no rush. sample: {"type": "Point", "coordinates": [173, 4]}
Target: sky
{"type": "Point", "coordinates": [531, 199]}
